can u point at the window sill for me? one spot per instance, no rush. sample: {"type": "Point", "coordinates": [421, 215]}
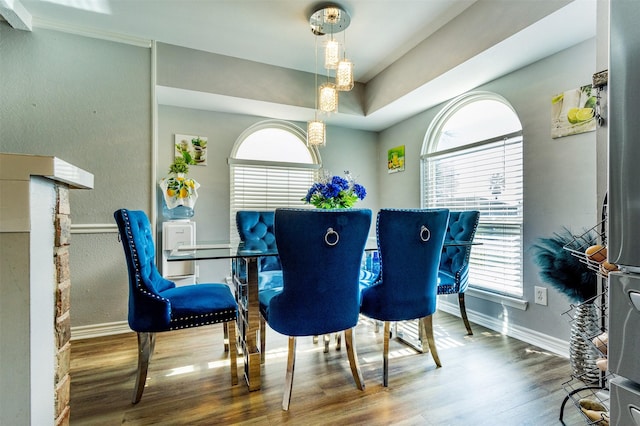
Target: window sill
{"type": "Point", "coordinates": [510, 301]}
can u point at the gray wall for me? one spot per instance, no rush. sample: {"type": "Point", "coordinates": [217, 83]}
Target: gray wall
{"type": "Point", "coordinates": [89, 102]}
{"type": "Point", "coordinates": [560, 177]}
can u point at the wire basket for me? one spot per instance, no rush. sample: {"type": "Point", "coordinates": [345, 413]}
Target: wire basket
{"type": "Point", "coordinates": [593, 255]}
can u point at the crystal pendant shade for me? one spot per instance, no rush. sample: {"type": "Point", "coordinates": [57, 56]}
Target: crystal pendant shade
{"type": "Point", "coordinates": [344, 75]}
{"type": "Point", "coordinates": [328, 99]}
{"type": "Point", "coordinates": [316, 133]}
{"type": "Point", "coordinates": [331, 54]}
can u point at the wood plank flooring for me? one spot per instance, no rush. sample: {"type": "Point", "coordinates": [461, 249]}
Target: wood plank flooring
{"type": "Point", "coordinates": [485, 379]}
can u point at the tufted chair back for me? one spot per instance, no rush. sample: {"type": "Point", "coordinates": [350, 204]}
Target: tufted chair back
{"type": "Point", "coordinates": [321, 286]}
{"type": "Point", "coordinates": [454, 262]}
{"type": "Point", "coordinates": [406, 287]}
{"type": "Point", "coordinates": [256, 230]}
{"type": "Point", "coordinates": [148, 310]}
{"type": "Point", "coordinates": [453, 276]}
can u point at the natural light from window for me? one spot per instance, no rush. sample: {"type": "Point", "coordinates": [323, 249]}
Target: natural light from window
{"type": "Point", "coordinates": [274, 145]}
{"type": "Point", "coordinates": [478, 121]}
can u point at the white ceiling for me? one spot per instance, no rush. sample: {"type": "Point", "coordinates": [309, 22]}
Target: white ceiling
{"type": "Point", "coordinates": [277, 32]}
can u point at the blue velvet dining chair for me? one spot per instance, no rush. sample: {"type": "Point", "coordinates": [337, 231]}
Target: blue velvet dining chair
{"type": "Point", "coordinates": [158, 305]}
{"type": "Point", "coordinates": [453, 276]}
{"type": "Point", "coordinates": [320, 252]}
{"type": "Point", "coordinates": [410, 244]}
{"type": "Point", "coordinates": [255, 229]}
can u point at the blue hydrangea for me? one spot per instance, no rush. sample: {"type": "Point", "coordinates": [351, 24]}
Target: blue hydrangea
{"type": "Point", "coordinates": [335, 192]}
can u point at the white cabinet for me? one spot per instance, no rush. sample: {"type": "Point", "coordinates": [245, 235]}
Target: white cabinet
{"type": "Point", "coordinates": [177, 232]}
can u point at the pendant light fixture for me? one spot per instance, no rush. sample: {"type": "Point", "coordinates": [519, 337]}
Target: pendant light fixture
{"type": "Point", "coordinates": [316, 129]}
{"type": "Point", "coordinates": [329, 20]}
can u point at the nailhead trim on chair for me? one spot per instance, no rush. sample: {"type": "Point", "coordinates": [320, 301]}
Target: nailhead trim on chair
{"type": "Point", "coordinates": [136, 262]}
{"type": "Point", "coordinates": [228, 316]}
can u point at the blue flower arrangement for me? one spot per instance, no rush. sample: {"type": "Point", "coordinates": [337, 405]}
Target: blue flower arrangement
{"type": "Point", "coordinates": [335, 192]}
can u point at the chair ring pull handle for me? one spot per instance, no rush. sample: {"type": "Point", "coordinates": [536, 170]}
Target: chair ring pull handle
{"type": "Point", "coordinates": [425, 234]}
{"type": "Point", "coordinates": [331, 237]}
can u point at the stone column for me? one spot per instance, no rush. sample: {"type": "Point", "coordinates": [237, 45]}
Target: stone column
{"type": "Point", "coordinates": [62, 326]}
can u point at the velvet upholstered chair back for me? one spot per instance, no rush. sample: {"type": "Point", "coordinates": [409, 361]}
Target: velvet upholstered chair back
{"type": "Point", "coordinates": [320, 252]}
{"type": "Point", "coordinates": [410, 244]}
{"type": "Point", "coordinates": [454, 263]}
{"type": "Point", "coordinates": [148, 310]}
{"type": "Point", "coordinates": [255, 229]}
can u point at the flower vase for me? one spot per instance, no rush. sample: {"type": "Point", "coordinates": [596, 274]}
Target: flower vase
{"type": "Point", "coordinates": [582, 353]}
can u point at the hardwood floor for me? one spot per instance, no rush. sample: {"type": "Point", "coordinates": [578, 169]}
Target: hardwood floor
{"type": "Point", "coordinates": [485, 379]}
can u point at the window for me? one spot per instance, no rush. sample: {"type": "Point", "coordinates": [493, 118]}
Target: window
{"type": "Point", "coordinates": [472, 160]}
{"type": "Point", "coordinates": [271, 166]}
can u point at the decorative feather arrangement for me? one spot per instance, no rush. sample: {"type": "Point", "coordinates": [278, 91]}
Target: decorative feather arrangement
{"type": "Point", "coordinates": [564, 271]}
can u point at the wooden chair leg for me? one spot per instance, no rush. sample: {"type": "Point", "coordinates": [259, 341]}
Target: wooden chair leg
{"type": "Point", "coordinates": [326, 338]}
{"type": "Point", "coordinates": [288, 382]}
{"type": "Point", "coordinates": [146, 344]}
{"type": "Point", "coordinates": [385, 354]}
{"type": "Point", "coordinates": [263, 339]}
{"type": "Point", "coordinates": [463, 313]}
{"type": "Point", "coordinates": [225, 332]}
{"type": "Point", "coordinates": [421, 337]}
{"type": "Point", "coordinates": [233, 350]}
{"type": "Point", "coordinates": [428, 331]}
{"type": "Point", "coordinates": [353, 358]}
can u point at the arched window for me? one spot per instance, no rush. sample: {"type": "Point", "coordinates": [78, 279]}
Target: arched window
{"type": "Point", "coordinates": [271, 166]}
{"type": "Point", "coordinates": [472, 160]}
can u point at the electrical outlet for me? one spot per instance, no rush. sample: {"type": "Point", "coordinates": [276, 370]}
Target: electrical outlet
{"type": "Point", "coordinates": [541, 295]}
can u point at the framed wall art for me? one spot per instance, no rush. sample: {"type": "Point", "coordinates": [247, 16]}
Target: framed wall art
{"type": "Point", "coordinates": [395, 159]}
{"type": "Point", "coordinates": [573, 112]}
{"type": "Point", "coordinates": [192, 148]}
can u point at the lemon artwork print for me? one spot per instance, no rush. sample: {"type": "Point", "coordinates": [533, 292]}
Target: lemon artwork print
{"type": "Point", "coordinates": [573, 112]}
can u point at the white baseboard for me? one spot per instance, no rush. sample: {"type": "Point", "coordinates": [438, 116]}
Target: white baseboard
{"type": "Point", "coordinates": [543, 341]}
{"type": "Point", "coordinates": [99, 330]}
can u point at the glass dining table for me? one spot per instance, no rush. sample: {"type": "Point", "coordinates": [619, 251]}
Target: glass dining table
{"type": "Point", "coordinates": [244, 276]}
{"type": "Point", "coordinates": [244, 270]}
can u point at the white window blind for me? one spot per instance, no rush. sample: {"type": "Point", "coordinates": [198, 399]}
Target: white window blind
{"type": "Point", "coordinates": [484, 176]}
{"type": "Point", "coordinates": [264, 187]}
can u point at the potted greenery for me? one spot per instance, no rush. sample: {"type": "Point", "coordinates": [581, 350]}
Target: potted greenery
{"type": "Point", "coordinates": [179, 192]}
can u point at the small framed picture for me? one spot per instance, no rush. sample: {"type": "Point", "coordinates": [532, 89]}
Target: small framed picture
{"type": "Point", "coordinates": [573, 112]}
{"type": "Point", "coordinates": [192, 148]}
{"type": "Point", "coordinates": [395, 159]}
